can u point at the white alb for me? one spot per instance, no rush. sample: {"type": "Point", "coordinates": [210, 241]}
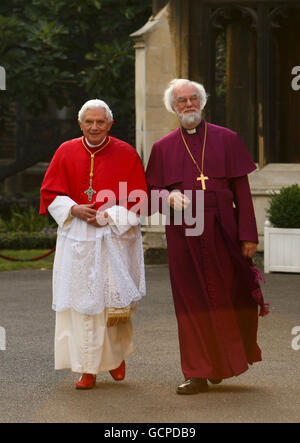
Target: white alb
{"type": "Point", "coordinates": [96, 268]}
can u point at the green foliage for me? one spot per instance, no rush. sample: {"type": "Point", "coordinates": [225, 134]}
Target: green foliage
{"type": "Point", "coordinates": [19, 203]}
{"type": "Point", "coordinates": [27, 220]}
{"type": "Point", "coordinates": [27, 240]}
{"type": "Point", "coordinates": [26, 229]}
{"type": "Point", "coordinates": [69, 51]}
{"type": "Point", "coordinates": [284, 210]}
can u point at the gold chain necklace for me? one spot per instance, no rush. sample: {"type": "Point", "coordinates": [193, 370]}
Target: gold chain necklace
{"type": "Point", "coordinates": [202, 177]}
{"type": "Point", "coordinates": [90, 192]}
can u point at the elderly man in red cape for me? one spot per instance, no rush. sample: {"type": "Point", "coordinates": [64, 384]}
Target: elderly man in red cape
{"type": "Point", "coordinates": [214, 283]}
{"type": "Point", "coordinates": [98, 274]}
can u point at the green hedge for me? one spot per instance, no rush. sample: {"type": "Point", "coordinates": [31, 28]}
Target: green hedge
{"type": "Point", "coordinates": [284, 210]}
{"type": "Point", "coordinates": [27, 240]}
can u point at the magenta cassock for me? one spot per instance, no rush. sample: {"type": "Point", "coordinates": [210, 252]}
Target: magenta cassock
{"type": "Point", "coordinates": [216, 290]}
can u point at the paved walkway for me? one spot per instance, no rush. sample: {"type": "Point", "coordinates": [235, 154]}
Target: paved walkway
{"type": "Point", "coordinates": [31, 391]}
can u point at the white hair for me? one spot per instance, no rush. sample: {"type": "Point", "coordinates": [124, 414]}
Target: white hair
{"type": "Point", "coordinates": [95, 104]}
{"type": "Point", "coordinates": [176, 83]}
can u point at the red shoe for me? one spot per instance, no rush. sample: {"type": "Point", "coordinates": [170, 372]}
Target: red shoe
{"type": "Point", "coordinates": [86, 381]}
{"type": "Point", "coordinates": [118, 373]}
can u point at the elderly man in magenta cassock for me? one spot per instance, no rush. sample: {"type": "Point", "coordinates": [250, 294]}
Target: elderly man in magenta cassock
{"type": "Point", "coordinates": [214, 284]}
{"type": "Point", "coordinates": [98, 274]}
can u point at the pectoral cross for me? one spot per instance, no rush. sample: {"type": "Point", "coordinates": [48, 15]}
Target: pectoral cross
{"type": "Point", "coordinates": [90, 192]}
{"type": "Point", "coordinates": [202, 178]}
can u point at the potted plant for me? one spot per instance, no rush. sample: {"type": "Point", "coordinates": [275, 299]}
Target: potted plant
{"type": "Point", "coordinates": [282, 232]}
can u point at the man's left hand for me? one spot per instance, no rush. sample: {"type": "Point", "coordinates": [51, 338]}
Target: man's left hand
{"type": "Point", "coordinates": [249, 248]}
{"type": "Point", "coordinates": [100, 220]}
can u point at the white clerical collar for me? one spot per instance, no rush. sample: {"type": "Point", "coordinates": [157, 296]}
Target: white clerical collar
{"type": "Point", "coordinates": [191, 131]}
{"type": "Point", "coordinates": [94, 146]}
{"type": "Point", "coordinates": [194, 130]}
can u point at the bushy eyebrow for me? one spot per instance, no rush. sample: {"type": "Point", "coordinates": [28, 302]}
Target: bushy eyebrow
{"type": "Point", "coordinates": [191, 96]}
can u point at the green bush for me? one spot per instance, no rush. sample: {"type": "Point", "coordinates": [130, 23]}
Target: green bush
{"type": "Point", "coordinates": [284, 210]}
{"type": "Point", "coordinates": [25, 220]}
{"type": "Point", "coordinates": [28, 240]}
{"type": "Point", "coordinates": [26, 229]}
{"type": "Point", "coordinates": [20, 203]}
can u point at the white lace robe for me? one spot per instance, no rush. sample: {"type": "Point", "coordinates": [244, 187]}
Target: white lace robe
{"type": "Point", "coordinates": [95, 268]}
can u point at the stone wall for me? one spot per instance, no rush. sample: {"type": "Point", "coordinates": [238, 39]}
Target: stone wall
{"type": "Point", "coordinates": [155, 67]}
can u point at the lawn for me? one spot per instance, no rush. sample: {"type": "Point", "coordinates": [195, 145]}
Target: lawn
{"type": "Point", "coordinates": [45, 263]}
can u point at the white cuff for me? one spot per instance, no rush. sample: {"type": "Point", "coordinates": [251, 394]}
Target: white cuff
{"type": "Point", "coordinates": [121, 220]}
{"type": "Point", "coordinates": [60, 209]}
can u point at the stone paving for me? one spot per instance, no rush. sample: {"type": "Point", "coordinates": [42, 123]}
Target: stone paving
{"type": "Point", "coordinates": [31, 391]}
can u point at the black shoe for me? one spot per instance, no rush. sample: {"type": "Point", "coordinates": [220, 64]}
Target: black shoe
{"type": "Point", "coordinates": [193, 386]}
{"type": "Point", "coordinates": [215, 381]}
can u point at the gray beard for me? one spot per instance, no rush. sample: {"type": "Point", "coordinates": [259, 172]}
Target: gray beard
{"type": "Point", "coordinates": [189, 119]}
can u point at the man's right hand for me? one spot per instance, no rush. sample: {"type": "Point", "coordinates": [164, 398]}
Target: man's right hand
{"type": "Point", "coordinates": [84, 212]}
{"type": "Point", "coordinates": [178, 201]}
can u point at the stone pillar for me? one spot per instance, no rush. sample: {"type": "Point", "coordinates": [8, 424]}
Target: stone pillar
{"type": "Point", "coordinates": [155, 68]}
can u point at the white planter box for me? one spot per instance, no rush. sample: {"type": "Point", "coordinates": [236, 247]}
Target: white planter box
{"type": "Point", "coordinates": [281, 249]}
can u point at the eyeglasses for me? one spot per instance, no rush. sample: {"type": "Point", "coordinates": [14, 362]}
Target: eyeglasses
{"type": "Point", "coordinates": [184, 100]}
